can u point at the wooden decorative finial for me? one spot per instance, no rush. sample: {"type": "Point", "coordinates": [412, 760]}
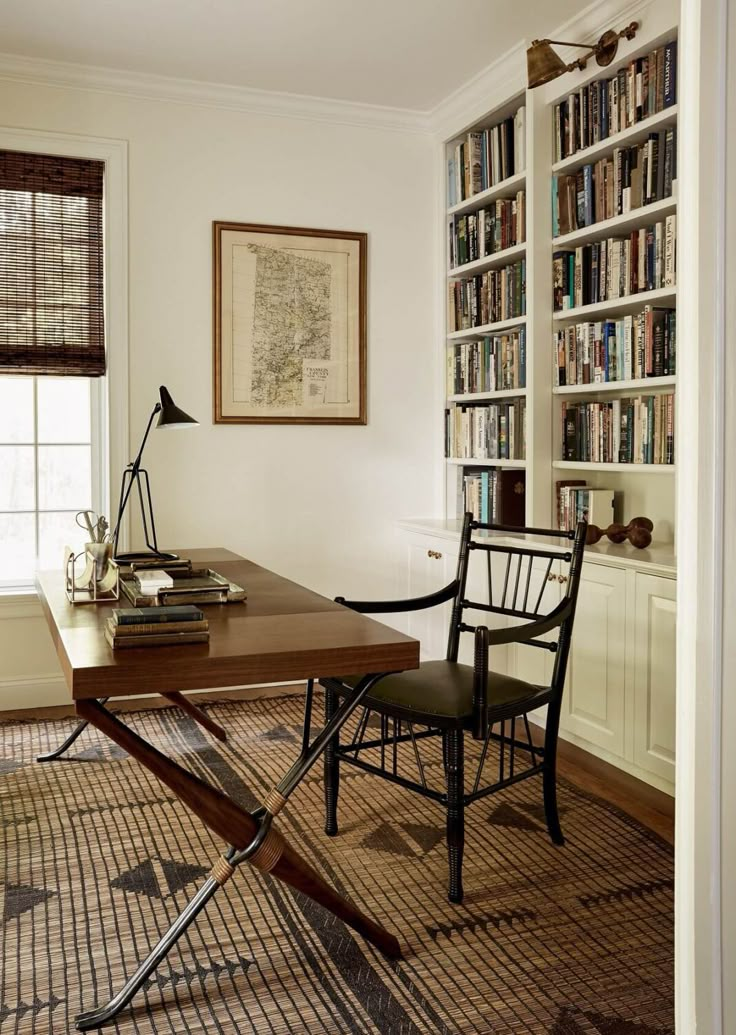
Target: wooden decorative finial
{"type": "Point", "coordinates": [638, 532]}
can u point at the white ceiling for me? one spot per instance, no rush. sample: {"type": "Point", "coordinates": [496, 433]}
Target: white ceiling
{"type": "Point", "coordinates": [401, 53]}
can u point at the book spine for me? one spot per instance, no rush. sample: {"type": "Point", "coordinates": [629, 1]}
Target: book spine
{"type": "Point", "coordinates": [670, 74]}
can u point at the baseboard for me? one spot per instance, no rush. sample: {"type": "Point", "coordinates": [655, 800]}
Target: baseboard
{"type": "Point", "coordinates": [45, 692]}
{"type": "Point", "coordinates": [655, 807]}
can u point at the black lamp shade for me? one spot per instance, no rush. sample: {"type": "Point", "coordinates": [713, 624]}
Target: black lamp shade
{"type": "Point", "coordinates": [171, 416]}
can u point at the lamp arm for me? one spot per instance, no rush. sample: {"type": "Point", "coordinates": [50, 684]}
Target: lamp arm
{"type": "Point", "coordinates": [564, 43]}
{"type": "Point", "coordinates": [133, 467]}
{"type": "Point", "coordinates": [137, 462]}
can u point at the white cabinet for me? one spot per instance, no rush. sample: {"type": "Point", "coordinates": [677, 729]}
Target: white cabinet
{"type": "Point", "coordinates": [431, 565]}
{"type": "Point", "coordinates": [655, 632]}
{"type": "Point", "coordinates": [593, 705]}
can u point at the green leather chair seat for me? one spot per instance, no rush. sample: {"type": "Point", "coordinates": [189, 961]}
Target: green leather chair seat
{"type": "Point", "coordinates": [443, 690]}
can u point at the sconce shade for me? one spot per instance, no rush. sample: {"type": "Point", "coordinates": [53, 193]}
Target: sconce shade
{"type": "Point", "coordinates": [542, 64]}
{"type": "Point", "coordinates": [171, 416]}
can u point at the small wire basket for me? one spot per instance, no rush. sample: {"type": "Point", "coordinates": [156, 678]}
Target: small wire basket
{"type": "Point", "coordinates": [100, 579]}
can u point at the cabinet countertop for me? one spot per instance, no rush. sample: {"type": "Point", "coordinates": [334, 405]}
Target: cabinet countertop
{"type": "Point", "coordinates": [658, 559]}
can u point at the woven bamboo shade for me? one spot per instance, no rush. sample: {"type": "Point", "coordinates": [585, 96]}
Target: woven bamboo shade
{"type": "Point", "coordinates": [51, 265]}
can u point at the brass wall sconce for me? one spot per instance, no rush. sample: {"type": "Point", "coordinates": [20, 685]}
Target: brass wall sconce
{"type": "Point", "coordinates": [544, 65]}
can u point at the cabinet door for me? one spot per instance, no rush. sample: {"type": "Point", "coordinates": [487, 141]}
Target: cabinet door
{"type": "Point", "coordinates": [593, 702]}
{"type": "Point", "coordinates": [654, 675]}
{"type": "Point", "coordinates": [431, 566]}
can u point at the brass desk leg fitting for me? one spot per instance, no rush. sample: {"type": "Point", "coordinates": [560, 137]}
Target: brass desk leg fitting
{"type": "Point", "coordinates": [268, 852]}
{"type": "Point", "coordinates": [222, 871]}
{"type": "Point", "coordinates": [274, 801]}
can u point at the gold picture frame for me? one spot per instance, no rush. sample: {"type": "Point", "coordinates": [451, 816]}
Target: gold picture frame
{"type": "Point", "coordinates": [289, 325]}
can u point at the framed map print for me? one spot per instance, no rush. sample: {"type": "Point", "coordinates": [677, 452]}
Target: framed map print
{"type": "Point", "coordinates": [289, 325]}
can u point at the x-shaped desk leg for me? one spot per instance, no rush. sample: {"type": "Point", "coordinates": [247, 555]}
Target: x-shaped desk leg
{"type": "Point", "coordinates": [174, 696]}
{"type": "Point", "coordinates": [251, 837]}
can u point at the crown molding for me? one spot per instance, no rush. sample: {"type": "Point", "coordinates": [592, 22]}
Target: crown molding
{"type": "Point", "coordinates": [503, 78]}
{"type": "Point", "coordinates": [147, 86]}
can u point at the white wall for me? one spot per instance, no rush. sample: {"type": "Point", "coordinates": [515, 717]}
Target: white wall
{"type": "Point", "coordinates": [316, 504]}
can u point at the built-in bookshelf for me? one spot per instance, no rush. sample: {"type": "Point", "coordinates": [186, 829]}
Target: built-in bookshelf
{"type": "Point", "coordinates": [561, 287]}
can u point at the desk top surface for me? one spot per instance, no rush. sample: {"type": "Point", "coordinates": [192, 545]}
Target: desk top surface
{"type": "Point", "coordinates": [283, 632]}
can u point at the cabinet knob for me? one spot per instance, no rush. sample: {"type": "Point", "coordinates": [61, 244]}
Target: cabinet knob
{"type": "Point", "coordinates": [434, 554]}
{"type": "Point", "coordinates": [562, 578]}
{"type": "Point", "coordinates": [551, 577]}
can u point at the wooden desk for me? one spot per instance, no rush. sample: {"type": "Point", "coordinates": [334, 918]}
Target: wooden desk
{"type": "Point", "coordinates": [283, 632]}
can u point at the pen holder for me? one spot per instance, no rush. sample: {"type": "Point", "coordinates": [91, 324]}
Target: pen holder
{"type": "Point", "coordinates": [100, 579]}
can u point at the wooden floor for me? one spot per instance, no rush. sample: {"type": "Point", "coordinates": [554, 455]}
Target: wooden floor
{"type": "Point", "coordinates": [653, 808]}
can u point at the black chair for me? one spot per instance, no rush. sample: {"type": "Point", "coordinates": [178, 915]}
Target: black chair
{"type": "Point", "coordinates": [446, 698]}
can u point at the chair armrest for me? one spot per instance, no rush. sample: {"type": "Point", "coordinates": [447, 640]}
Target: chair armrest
{"type": "Point", "coordinates": [412, 604]}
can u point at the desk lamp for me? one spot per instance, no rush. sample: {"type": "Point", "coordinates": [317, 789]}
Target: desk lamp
{"type": "Point", "coordinates": [170, 416]}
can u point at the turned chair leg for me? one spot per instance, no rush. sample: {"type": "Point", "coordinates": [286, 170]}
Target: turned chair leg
{"type": "Point", "coordinates": [549, 776]}
{"type": "Point", "coordinates": [454, 749]}
{"type": "Point", "coordinates": [332, 768]}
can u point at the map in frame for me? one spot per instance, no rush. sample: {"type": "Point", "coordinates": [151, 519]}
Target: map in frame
{"type": "Point", "coordinates": [289, 325]}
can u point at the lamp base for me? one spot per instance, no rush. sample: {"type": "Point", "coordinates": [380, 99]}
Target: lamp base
{"type": "Point", "coordinates": [139, 556]}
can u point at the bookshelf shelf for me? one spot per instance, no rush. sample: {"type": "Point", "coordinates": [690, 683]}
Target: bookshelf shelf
{"type": "Point", "coordinates": [620, 306]}
{"type": "Point", "coordinates": [579, 465]}
{"type": "Point", "coordinates": [638, 217]}
{"type": "Point", "coordinates": [471, 461]}
{"type": "Point", "coordinates": [487, 328]}
{"type": "Point", "coordinates": [488, 262]}
{"type": "Point", "coordinates": [642, 384]}
{"type": "Point", "coordinates": [507, 393]}
{"type": "Point", "coordinates": [626, 138]}
{"type": "Point", "coordinates": [506, 188]}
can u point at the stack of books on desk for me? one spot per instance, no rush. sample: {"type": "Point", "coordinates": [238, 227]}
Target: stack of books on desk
{"type": "Point", "coordinates": [163, 626]}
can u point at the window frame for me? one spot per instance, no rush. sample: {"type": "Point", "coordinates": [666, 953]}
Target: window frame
{"type": "Point", "coordinates": [110, 393]}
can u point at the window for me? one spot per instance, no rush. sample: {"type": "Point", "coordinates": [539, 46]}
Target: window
{"type": "Point", "coordinates": [46, 463]}
{"type": "Point", "coordinates": [52, 354]}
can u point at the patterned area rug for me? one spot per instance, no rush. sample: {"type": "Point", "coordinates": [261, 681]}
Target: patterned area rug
{"type": "Point", "coordinates": [98, 858]}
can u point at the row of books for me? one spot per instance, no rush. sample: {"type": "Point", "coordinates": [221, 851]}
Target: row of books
{"type": "Point", "coordinates": [577, 501]}
{"type": "Point", "coordinates": [630, 179]}
{"type": "Point", "coordinates": [486, 157]}
{"type": "Point", "coordinates": [645, 86]}
{"type": "Point", "coordinates": [641, 345]}
{"type": "Point", "coordinates": [502, 224]}
{"type": "Point", "coordinates": [492, 364]}
{"type": "Point", "coordinates": [496, 431]}
{"type": "Point", "coordinates": [493, 495]}
{"type": "Point", "coordinates": [487, 297]}
{"type": "Point", "coordinates": [616, 267]}
{"type": "Point", "coordinates": [165, 626]}
{"type": "Point", "coordinates": [625, 431]}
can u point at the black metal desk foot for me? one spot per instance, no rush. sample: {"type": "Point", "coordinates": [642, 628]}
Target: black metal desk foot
{"type": "Point", "coordinates": [62, 748]}
{"type": "Point", "coordinates": [106, 1014]}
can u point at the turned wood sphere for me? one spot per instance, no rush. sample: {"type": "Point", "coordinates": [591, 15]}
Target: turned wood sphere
{"type": "Point", "coordinates": [640, 537]}
{"type": "Point", "coordinates": [642, 522]}
{"type": "Point", "coordinates": [616, 532]}
{"type": "Point", "coordinates": [593, 534]}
